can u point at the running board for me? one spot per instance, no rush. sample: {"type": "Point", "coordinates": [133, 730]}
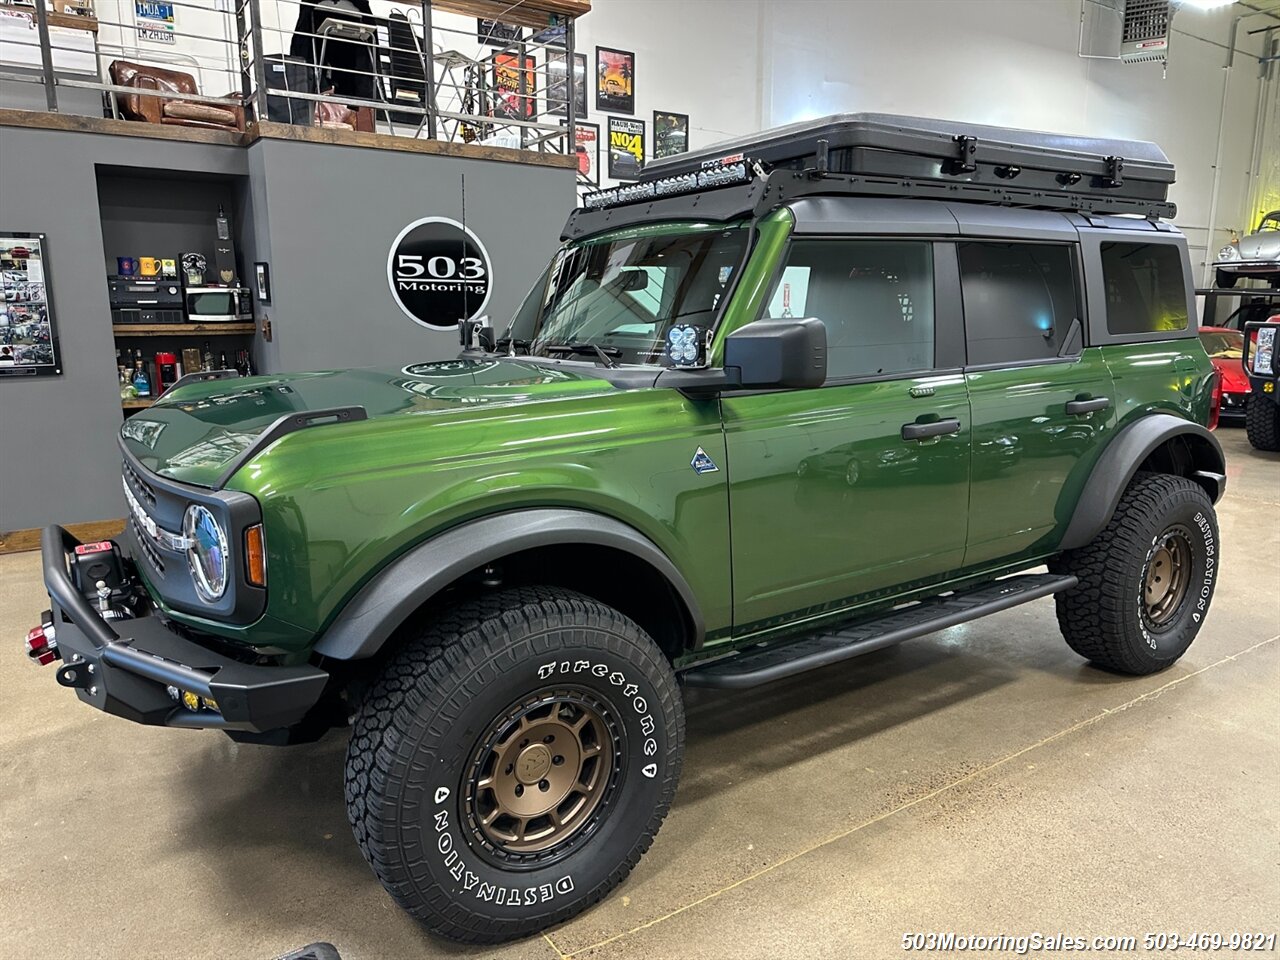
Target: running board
{"type": "Point", "coordinates": [784, 658]}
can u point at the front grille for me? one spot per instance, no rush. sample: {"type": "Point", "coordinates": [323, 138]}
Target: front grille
{"type": "Point", "coordinates": [143, 489]}
{"type": "Point", "coordinates": [143, 541]}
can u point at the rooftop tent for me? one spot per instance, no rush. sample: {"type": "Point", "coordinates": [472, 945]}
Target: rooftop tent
{"type": "Point", "coordinates": [885, 145]}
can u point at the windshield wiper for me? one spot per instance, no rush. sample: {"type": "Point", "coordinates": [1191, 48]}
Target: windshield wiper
{"type": "Point", "coordinates": [606, 355]}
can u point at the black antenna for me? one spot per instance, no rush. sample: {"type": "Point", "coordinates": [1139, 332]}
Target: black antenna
{"type": "Point", "coordinates": [466, 312]}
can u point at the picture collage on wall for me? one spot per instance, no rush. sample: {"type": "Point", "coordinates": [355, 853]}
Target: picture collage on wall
{"type": "Point", "coordinates": [28, 337]}
{"type": "Point", "coordinates": [627, 144]}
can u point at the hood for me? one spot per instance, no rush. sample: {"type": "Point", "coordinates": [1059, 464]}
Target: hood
{"type": "Point", "coordinates": [1260, 246]}
{"type": "Point", "coordinates": [1233, 375]}
{"type": "Point", "coordinates": [193, 434]}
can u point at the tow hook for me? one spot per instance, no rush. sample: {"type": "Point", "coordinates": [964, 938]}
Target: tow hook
{"type": "Point", "coordinates": [42, 644]}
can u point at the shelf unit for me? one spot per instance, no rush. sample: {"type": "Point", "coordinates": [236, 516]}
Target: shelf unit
{"type": "Point", "coordinates": [176, 329]}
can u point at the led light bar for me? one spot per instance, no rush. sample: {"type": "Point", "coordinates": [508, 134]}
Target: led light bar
{"type": "Point", "coordinates": [728, 174]}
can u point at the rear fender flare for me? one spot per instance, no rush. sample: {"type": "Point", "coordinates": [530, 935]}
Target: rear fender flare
{"type": "Point", "coordinates": [1121, 460]}
{"type": "Point", "coordinates": [409, 581]}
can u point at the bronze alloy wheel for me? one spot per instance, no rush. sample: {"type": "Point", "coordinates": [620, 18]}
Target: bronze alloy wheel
{"type": "Point", "coordinates": [542, 772]}
{"type": "Point", "coordinates": [1165, 576]}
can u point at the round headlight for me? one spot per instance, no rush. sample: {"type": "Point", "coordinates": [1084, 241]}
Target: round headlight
{"type": "Point", "coordinates": [207, 554]}
{"type": "Point", "coordinates": [1229, 252]}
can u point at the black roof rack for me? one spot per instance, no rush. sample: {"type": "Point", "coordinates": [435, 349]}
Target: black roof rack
{"type": "Point", "coordinates": [884, 155]}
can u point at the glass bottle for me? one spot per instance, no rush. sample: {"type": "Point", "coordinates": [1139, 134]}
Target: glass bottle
{"type": "Point", "coordinates": [141, 382]}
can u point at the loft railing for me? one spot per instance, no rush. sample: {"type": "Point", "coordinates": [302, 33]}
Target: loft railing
{"type": "Point", "coordinates": [412, 68]}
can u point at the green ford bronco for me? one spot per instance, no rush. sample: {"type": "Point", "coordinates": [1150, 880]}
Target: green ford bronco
{"type": "Point", "coordinates": [776, 405]}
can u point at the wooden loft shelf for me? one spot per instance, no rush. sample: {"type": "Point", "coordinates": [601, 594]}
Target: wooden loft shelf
{"type": "Point", "coordinates": [138, 403]}
{"type": "Point", "coordinates": [177, 329]}
{"type": "Point", "coordinates": [529, 13]}
{"type": "Point", "coordinates": [68, 20]}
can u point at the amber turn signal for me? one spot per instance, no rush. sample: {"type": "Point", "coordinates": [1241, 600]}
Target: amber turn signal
{"type": "Point", "coordinates": [255, 556]}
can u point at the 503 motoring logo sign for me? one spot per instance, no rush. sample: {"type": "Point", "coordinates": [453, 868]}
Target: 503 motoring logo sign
{"type": "Point", "coordinates": [439, 272]}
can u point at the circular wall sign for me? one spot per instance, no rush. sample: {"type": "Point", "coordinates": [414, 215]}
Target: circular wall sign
{"type": "Point", "coordinates": [439, 273]}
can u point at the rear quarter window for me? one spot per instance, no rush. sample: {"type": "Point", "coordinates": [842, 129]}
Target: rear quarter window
{"type": "Point", "coordinates": [1145, 288]}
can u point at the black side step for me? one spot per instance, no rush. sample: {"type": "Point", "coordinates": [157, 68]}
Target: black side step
{"type": "Point", "coordinates": [773, 661]}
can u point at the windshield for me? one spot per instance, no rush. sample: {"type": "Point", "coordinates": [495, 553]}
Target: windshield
{"type": "Point", "coordinates": [1227, 344]}
{"type": "Point", "coordinates": [618, 298]}
{"type": "Point", "coordinates": [1270, 222]}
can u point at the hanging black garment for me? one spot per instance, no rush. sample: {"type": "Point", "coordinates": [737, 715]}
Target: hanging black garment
{"type": "Point", "coordinates": [341, 56]}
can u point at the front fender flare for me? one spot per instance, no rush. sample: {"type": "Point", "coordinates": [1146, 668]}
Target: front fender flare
{"type": "Point", "coordinates": [1121, 460]}
{"type": "Point", "coordinates": [409, 581]}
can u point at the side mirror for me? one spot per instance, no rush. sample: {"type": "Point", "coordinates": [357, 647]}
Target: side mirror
{"type": "Point", "coordinates": [778, 353]}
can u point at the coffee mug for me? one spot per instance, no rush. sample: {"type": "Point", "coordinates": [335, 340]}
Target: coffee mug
{"type": "Point", "coordinates": [148, 266]}
{"type": "Point", "coordinates": [126, 266]}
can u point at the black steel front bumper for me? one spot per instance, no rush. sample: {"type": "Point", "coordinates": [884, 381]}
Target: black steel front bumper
{"type": "Point", "coordinates": [128, 673]}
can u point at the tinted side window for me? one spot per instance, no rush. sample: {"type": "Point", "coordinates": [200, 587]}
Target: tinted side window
{"type": "Point", "coordinates": [1146, 292]}
{"type": "Point", "coordinates": [1019, 300]}
{"type": "Point", "coordinates": [875, 297]}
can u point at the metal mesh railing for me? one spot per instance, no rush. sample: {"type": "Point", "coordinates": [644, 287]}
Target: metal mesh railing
{"type": "Point", "coordinates": [412, 68]}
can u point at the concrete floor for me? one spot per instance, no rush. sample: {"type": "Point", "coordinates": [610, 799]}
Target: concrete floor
{"type": "Point", "coordinates": [982, 780]}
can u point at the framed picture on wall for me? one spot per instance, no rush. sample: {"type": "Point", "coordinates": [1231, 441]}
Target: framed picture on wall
{"type": "Point", "coordinates": [508, 99]}
{"type": "Point", "coordinates": [497, 34]}
{"type": "Point", "coordinates": [615, 80]}
{"type": "Point", "coordinates": [586, 145]}
{"type": "Point", "coordinates": [28, 335]}
{"type": "Point", "coordinates": [558, 85]}
{"type": "Point", "coordinates": [670, 133]}
{"type": "Point", "coordinates": [262, 274]}
{"type": "Point", "coordinates": [626, 148]}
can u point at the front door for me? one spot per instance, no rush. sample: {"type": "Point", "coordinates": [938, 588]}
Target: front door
{"type": "Point", "coordinates": [840, 492]}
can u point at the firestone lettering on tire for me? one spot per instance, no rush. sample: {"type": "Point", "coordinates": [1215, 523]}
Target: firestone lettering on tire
{"type": "Point", "coordinates": [629, 690]}
{"type": "Point", "coordinates": [457, 868]}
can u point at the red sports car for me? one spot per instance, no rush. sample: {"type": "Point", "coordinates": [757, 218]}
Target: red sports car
{"type": "Point", "coordinates": [1225, 348]}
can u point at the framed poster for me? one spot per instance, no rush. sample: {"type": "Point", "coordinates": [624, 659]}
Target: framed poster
{"type": "Point", "coordinates": [558, 89]}
{"type": "Point", "coordinates": [507, 98]}
{"type": "Point", "coordinates": [497, 34]}
{"type": "Point", "coordinates": [626, 148]}
{"type": "Point", "coordinates": [586, 144]}
{"type": "Point", "coordinates": [28, 336]}
{"type": "Point", "coordinates": [670, 133]}
{"type": "Point", "coordinates": [262, 273]}
{"type": "Point", "coordinates": [615, 80]}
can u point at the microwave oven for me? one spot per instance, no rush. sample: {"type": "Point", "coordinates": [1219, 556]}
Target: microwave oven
{"type": "Point", "coordinates": [219, 305]}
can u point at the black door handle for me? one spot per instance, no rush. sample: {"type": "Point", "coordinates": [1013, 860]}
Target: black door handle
{"type": "Point", "coordinates": [1088, 405]}
{"type": "Point", "coordinates": [923, 431]}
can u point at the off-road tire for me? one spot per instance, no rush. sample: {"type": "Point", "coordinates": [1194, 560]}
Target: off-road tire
{"type": "Point", "coordinates": [1226, 280]}
{"type": "Point", "coordinates": [1103, 618]}
{"type": "Point", "coordinates": [1262, 422]}
{"type": "Point", "coordinates": [410, 761]}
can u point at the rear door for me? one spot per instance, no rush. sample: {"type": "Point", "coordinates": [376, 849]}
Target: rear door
{"type": "Point", "coordinates": [830, 503]}
{"type": "Point", "coordinates": [1042, 403]}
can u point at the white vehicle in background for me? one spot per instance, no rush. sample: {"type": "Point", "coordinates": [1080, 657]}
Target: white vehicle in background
{"type": "Point", "coordinates": [1256, 255]}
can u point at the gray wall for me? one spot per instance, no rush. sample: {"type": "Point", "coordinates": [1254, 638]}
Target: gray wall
{"type": "Point", "coordinates": [333, 214]}
{"type": "Point", "coordinates": [58, 434]}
